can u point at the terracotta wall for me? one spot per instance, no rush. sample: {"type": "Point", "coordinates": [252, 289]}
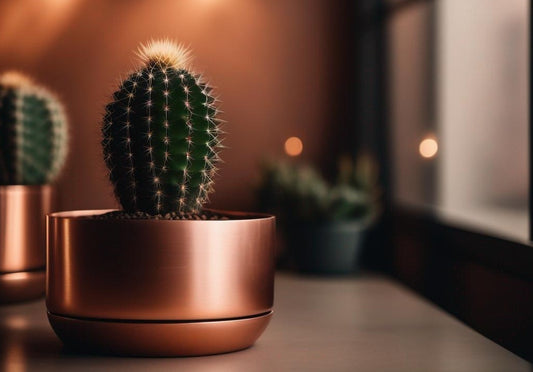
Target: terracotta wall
{"type": "Point", "coordinates": [269, 59]}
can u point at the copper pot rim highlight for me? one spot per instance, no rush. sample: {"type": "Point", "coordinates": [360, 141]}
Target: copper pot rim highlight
{"type": "Point", "coordinates": [85, 215]}
{"type": "Point", "coordinates": [25, 188]}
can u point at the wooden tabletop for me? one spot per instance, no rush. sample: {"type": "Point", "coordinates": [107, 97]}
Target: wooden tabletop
{"type": "Point", "coordinates": [360, 324]}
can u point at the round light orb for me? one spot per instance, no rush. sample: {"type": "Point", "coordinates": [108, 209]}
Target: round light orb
{"type": "Point", "coordinates": [428, 147]}
{"type": "Point", "coordinates": [293, 146]}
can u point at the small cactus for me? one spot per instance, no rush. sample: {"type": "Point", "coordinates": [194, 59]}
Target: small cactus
{"type": "Point", "coordinates": [33, 132]}
{"type": "Point", "coordinates": [161, 135]}
{"type": "Point", "coordinates": [298, 193]}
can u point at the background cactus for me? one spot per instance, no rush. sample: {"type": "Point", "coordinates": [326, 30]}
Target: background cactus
{"type": "Point", "coordinates": [33, 132]}
{"type": "Point", "coordinates": [161, 135]}
{"type": "Point", "coordinates": [297, 193]}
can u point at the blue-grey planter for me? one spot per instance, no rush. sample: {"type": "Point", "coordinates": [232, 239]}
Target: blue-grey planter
{"type": "Point", "coordinates": [326, 248]}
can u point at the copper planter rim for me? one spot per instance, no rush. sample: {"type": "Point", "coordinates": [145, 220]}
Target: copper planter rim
{"type": "Point", "coordinates": [26, 188]}
{"type": "Point", "coordinates": [197, 277]}
{"type": "Point", "coordinates": [88, 213]}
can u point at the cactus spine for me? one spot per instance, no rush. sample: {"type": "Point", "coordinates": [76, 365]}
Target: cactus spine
{"type": "Point", "coordinates": [33, 132]}
{"type": "Point", "coordinates": [161, 135]}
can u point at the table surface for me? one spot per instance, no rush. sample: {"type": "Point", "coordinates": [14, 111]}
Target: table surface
{"type": "Point", "coordinates": [360, 324]}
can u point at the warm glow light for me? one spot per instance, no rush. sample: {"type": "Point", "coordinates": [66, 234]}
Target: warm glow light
{"type": "Point", "coordinates": [16, 322]}
{"type": "Point", "coordinates": [293, 146]}
{"type": "Point", "coordinates": [428, 147]}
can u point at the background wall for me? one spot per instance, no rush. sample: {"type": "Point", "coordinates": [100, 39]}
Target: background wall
{"type": "Point", "coordinates": [411, 101]}
{"type": "Point", "coordinates": [271, 62]}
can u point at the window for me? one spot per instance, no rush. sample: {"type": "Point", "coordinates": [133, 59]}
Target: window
{"type": "Point", "coordinates": [459, 75]}
{"type": "Point", "coordinates": [458, 100]}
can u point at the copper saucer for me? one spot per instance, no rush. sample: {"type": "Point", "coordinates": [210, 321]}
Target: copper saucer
{"type": "Point", "coordinates": [22, 286]}
{"type": "Point", "coordinates": [142, 338]}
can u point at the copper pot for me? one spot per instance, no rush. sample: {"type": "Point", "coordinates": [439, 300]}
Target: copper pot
{"type": "Point", "coordinates": [22, 241]}
{"type": "Point", "coordinates": [160, 287]}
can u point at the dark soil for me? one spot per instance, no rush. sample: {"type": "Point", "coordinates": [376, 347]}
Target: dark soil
{"type": "Point", "coordinates": [121, 215]}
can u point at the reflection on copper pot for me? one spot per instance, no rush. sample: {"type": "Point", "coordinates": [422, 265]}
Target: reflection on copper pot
{"type": "Point", "coordinates": [185, 271]}
{"type": "Point", "coordinates": [22, 241]}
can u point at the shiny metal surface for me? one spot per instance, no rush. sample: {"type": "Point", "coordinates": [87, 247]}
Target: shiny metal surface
{"type": "Point", "coordinates": [21, 286]}
{"type": "Point", "coordinates": [22, 226]}
{"type": "Point", "coordinates": [22, 241]}
{"type": "Point", "coordinates": [159, 269]}
{"type": "Point", "coordinates": [160, 339]}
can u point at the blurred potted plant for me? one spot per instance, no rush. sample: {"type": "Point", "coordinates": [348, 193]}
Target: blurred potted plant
{"type": "Point", "coordinates": [323, 225]}
{"type": "Point", "coordinates": [163, 276]}
{"type": "Point", "coordinates": [33, 146]}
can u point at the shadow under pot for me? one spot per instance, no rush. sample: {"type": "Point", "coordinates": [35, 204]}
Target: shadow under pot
{"type": "Point", "coordinates": [330, 248]}
{"type": "Point", "coordinates": [23, 210]}
{"type": "Point", "coordinates": [159, 287]}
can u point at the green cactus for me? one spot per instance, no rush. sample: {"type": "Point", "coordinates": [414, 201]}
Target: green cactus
{"type": "Point", "coordinates": [297, 193]}
{"type": "Point", "coordinates": [161, 135]}
{"type": "Point", "coordinates": [33, 132]}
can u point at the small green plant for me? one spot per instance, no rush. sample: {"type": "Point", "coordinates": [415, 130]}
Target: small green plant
{"type": "Point", "coordinates": [298, 193]}
{"type": "Point", "coordinates": [161, 134]}
{"type": "Point", "coordinates": [33, 132]}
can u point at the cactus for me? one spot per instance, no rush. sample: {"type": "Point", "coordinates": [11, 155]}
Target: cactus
{"type": "Point", "coordinates": [298, 193]}
{"type": "Point", "coordinates": [33, 132]}
{"type": "Point", "coordinates": [161, 135]}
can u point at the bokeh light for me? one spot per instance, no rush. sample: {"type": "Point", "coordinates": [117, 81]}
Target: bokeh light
{"type": "Point", "coordinates": [428, 147]}
{"type": "Point", "coordinates": [293, 146]}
